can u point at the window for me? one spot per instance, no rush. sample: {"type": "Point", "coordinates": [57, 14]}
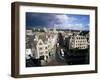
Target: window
{"type": "Point", "coordinates": [41, 53]}
{"type": "Point", "coordinates": [40, 48]}
{"type": "Point", "coordinates": [45, 47]}
{"type": "Point", "coordinates": [40, 43]}
{"type": "Point", "coordinates": [47, 57]}
{"type": "Point", "coordinates": [72, 37]}
{"type": "Point", "coordinates": [46, 52]}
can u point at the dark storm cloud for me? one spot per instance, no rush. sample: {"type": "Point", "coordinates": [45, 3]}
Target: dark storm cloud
{"type": "Point", "coordinates": [41, 19]}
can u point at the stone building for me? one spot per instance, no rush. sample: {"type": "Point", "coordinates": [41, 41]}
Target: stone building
{"type": "Point", "coordinates": [43, 45]}
{"type": "Point", "coordinates": [78, 41]}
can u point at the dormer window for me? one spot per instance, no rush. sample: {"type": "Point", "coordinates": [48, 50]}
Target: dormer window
{"type": "Point", "coordinates": [40, 43]}
{"type": "Point", "coordinates": [45, 47]}
{"type": "Point", "coordinates": [40, 48]}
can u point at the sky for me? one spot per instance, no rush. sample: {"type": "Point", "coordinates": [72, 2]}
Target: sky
{"type": "Point", "coordinates": [59, 21]}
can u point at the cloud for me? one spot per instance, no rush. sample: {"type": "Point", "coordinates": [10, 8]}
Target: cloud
{"type": "Point", "coordinates": [73, 26]}
{"type": "Point", "coordinates": [71, 22]}
{"type": "Point", "coordinates": [63, 21]}
{"type": "Point", "coordinates": [62, 18]}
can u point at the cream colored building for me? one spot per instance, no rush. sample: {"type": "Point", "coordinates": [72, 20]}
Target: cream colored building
{"type": "Point", "coordinates": [43, 45]}
{"type": "Point", "coordinates": [42, 49]}
{"type": "Point", "coordinates": [29, 32]}
{"type": "Point", "coordinates": [78, 41]}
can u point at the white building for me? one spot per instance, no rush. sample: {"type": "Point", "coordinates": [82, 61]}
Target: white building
{"type": "Point", "coordinates": [42, 49]}
{"type": "Point", "coordinates": [88, 39]}
{"type": "Point", "coordinates": [43, 45]}
{"type": "Point", "coordinates": [78, 41]}
{"type": "Point", "coordinates": [28, 52]}
{"type": "Point", "coordinates": [29, 32]}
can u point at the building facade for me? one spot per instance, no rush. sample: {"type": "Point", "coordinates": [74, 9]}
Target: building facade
{"type": "Point", "coordinates": [29, 32]}
{"type": "Point", "coordinates": [43, 45]}
{"type": "Point", "coordinates": [78, 41]}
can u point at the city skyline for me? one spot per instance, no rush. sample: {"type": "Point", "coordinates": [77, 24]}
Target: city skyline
{"type": "Point", "coordinates": [59, 21]}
